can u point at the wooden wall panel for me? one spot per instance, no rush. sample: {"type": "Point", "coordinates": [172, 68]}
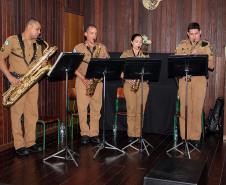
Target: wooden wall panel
{"type": "Point", "coordinates": [74, 6]}
{"type": "Point", "coordinates": [73, 34]}
{"type": "Point", "coordinates": [73, 30]}
{"type": "Point", "coordinates": [13, 16]}
{"type": "Point", "coordinates": [117, 20]}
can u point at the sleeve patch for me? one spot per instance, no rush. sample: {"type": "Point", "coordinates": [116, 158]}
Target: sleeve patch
{"type": "Point", "coordinates": [6, 43]}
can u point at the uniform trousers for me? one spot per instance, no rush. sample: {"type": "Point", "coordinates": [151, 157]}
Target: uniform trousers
{"type": "Point", "coordinates": [133, 105]}
{"type": "Point", "coordinates": [95, 104]}
{"type": "Point", "coordinates": [196, 96]}
{"type": "Point", "coordinates": [28, 106]}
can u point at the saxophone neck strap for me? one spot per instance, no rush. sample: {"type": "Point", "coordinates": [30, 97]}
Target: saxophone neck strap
{"type": "Point", "coordinates": [90, 50]}
{"type": "Point", "coordinates": [138, 54]}
{"type": "Point", "coordinates": [23, 50]}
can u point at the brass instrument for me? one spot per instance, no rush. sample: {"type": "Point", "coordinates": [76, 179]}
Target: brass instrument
{"type": "Point", "coordinates": [90, 89]}
{"type": "Point", "coordinates": [135, 86]}
{"type": "Point", "coordinates": [14, 93]}
{"type": "Point", "coordinates": [193, 45]}
{"type": "Point", "coordinates": [151, 4]}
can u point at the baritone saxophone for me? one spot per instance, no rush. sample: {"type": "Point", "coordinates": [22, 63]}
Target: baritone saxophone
{"type": "Point", "coordinates": [90, 89]}
{"type": "Point", "coordinates": [37, 71]}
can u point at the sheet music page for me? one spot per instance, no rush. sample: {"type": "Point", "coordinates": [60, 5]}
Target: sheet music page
{"type": "Point", "coordinates": [50, 71]}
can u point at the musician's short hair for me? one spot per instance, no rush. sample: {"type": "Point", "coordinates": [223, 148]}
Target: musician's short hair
{"type": "Point", "coordinates": [90, 26]}
{"type": "Point", "coordinates": [32, 21]}
{"type": "Point", "coordinates": [193, 25]}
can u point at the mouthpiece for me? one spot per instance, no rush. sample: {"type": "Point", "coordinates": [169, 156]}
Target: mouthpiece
{"type": "Point", "coordinates": [40, 40]}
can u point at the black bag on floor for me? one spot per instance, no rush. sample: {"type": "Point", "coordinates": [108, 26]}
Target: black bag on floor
{"type": "Point", "coordinates": [214, 122]}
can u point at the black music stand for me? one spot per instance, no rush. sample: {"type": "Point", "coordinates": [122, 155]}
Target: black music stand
{"type": "Point", "coordinates": [143, 69]}
{"type": "Point", "coordinates": [108, 70]}
{"type": "Point", "coordinates": [67, 63]}
{"type": "Point", "coordinates": [187, 66]}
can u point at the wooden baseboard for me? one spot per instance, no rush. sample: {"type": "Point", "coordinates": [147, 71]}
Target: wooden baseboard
{"type": "Point", "coordinates": [6, 146]}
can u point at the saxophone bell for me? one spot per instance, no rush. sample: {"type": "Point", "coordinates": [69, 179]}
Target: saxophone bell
{"type": "Point", "coordinates": [91, 87]}
{"type": "Point", "coordinates": [135, 85]}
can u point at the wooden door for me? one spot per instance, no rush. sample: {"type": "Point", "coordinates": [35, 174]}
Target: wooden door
{"type": "Point", "coordinates": [73, 34]}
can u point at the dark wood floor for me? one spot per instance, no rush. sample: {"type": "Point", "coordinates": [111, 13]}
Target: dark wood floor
{"type": "Point", "coordinates": [109, 168]}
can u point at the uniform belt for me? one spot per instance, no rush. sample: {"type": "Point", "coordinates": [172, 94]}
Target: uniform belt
{"type": "Point", "coordinates": [16, 75]}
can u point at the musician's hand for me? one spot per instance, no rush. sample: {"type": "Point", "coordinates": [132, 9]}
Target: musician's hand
{"type": "Point", "coordinates": [44, 63]}
{"type": "Point", "coordinates": [194, 52]}
{"type": "Point", "coordinates": [85, 81]}
{"type": "Point", "coordinates": [14, 81]}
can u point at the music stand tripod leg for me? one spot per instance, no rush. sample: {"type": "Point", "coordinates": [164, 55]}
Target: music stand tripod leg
{"type": "Point", "coordinates": [187, 151]}
{"type": "Point", "coordinates": [55, 155]}
{"type": "Point", "coordinates": [194, 148]}
{"type": "Point", "coordinates": [131, 145]}
{"type": "Point", "coordinates": [105, 144]}
{"type": "Point", "coordinates": [143, 142]}
{"type": "Point", "coordinates": [100, 147]}
{"type": "Point", "coordinates": [109, 146]}
{"type": "Point", "coordinates": [72, 157]}
{"type": "Point", "coordinates": [66, 149]}
{"type": "Point", "coordinates": [176, 148]}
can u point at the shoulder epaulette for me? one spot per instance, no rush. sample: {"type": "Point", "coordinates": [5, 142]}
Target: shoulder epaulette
{"type": "Point", "coordinates": [81, 44]}
{"type": "Point", "coordinates": [204, 43]}
{"type": "Point", "coordinates": [183, 42]}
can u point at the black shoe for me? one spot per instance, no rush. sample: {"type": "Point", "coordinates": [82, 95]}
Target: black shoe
{"type": "Point", "coordinates": [131, 139]}
{"type": "Point", "coordinates": [196, 143]}
{"type": "Point", "coordinates": [34, 148]}
{"type": "Point", "coordinates": [85, 139]}
{"type": "Point", "coordinates": [95, 139]}
{"type": "Point", "coordinates": [22, 151]}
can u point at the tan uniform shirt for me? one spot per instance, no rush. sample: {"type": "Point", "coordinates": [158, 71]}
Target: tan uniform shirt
{"type": "Point", "coordinates": [99, 51]}
{"type": "Point", "coordinates": [11, 49]}
{"type": "Point", "coordinates": [202, 47]}
{"type": "Point", "coordinates": [129, 53]}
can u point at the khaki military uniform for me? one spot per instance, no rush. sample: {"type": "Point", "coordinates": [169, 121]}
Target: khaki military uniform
{"type": "Point", "coordinates": [83, 101]}
{"type": "Point", "coordinates": [133, 101]}
{"type": "Point", "coordinates": [196, 91]}
{"type": "Point", "coordinates": [28, 103]}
